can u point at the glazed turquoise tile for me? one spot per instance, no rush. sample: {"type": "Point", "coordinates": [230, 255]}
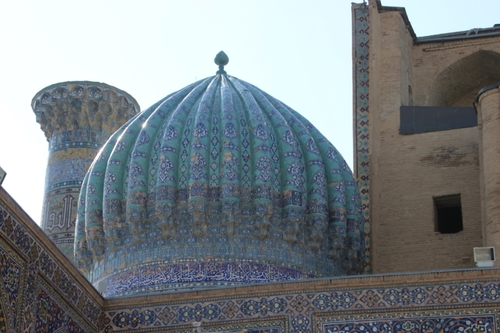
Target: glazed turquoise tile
{"type": "Point", "coordinates": [217, 184]}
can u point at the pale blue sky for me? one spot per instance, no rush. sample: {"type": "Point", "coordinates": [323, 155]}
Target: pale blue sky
{"type": "Point", "coordinates": [297, 51]}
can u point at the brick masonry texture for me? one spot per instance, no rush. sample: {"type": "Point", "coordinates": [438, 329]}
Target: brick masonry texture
{"type": "Point", "coordinates": [407, 171]}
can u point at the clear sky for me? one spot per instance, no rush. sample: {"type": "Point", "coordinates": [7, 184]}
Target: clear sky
{"type": "Point", "coordinates": [297, 51]}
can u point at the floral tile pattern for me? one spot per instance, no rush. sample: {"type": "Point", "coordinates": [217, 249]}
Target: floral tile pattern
{"type": "Point", "coordinates": [25, 267]}
{"type": "Point", "coordinates": [304, 309]}
{"type": "Point", "coordinates": [361, 27]}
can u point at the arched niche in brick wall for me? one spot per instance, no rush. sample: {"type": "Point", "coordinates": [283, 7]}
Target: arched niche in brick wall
{"type": "Point", "coordinates": [459, 83]}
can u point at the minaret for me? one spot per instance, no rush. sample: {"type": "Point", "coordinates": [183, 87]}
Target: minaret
{"type": "Point", "coordinates": [77, 119]}
{"type": "Point", "coordinates": [487, 106]}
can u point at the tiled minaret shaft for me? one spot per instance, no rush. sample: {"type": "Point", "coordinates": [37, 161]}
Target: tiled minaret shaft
{"type": "Point", "coordinates": [77, 118]}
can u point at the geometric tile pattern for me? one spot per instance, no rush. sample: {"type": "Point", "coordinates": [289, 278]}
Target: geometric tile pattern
{"type": "Point", "coordinates": [4, 322]}
{"type": "Point", "coordinates": [274, 325]}
{"type": "Point", "coordinates": [85, 138]}
{"type": "Point", "coordinates": [361, 49]}
{"type": "Point", "coordinates": [12, 271]}
{"type": "Point", "coordinates": [476, 321]}
{"type": "Point", "coordinates": [54, 314]}
{"type": "Point", "coordinates": [22, 273]}
{"type": "Point", "coordinates": [60, 173]}
{"type": "Point", "coordinates": [304, 309]}
{"type": "Point", "coordinates": [471, 324]}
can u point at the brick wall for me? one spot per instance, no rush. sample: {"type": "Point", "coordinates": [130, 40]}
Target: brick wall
{"type": "Point", "coordinates": [407, 171]}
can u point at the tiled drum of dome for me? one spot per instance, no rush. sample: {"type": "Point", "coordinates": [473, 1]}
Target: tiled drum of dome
{"type": "Point", "coordinates": [218, 173]}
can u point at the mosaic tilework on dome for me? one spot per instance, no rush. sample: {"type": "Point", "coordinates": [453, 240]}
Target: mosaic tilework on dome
{"type": "Point", "coordinates": [219, 171]}
{"type": "Point", "coordinates": [361, 22]}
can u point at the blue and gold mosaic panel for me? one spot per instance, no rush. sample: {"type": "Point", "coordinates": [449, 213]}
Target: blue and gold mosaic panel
{"type": "Point", "coordinates": [305, 309]}
{"type": "Point", "coordinates": [54, 314]}
{"type": "Point", "coordinates": [12, 275]}
{"type": "Point", "coordinates": [23, 275]}
{"type": "Point", "coordinates": [446, 321]}
{"type": "Point", "coordinates": [274, 325]}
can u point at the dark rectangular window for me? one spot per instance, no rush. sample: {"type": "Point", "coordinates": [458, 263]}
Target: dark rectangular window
{"type": "Point", "coordinates": [421, 119]}
{"type": "Point", "coordinates": [448, 214]}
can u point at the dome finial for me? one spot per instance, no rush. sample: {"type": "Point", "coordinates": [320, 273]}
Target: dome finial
{"type": "Point", "coordinates": [221, 59]}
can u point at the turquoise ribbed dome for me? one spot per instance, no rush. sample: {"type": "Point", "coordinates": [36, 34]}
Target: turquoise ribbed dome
{"type": "Point", "coordinates": [217, 184]}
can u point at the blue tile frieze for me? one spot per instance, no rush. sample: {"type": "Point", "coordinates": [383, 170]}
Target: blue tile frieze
{"type": "Point", "coordinates": [361, 47]}
{"type": "Point", "coordinates": [160, 277]}
{"type": "Point", "coordinates": [432, 308]}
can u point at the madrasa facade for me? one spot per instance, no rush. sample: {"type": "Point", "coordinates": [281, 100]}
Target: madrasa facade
{"type": "Point", "coordinates": [221, 209]}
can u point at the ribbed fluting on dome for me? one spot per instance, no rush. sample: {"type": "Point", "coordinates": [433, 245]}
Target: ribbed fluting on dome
{"type": "Point", "coordinates": [217, 184]}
